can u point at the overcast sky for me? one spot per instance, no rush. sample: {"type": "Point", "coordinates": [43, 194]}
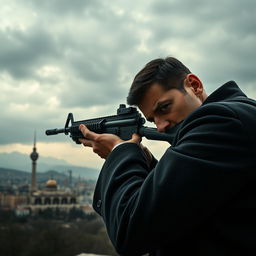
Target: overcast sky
{"type": "Point", "coordinates": [80, 56]}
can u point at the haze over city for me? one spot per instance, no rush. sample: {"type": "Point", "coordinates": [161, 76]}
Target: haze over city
{"type": "Point", "coordinates": [81, 56]}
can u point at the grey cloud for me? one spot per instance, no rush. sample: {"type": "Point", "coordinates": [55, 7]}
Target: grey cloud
{"type": "Point", "coordinates": [22, 51]}
{"type": "Point", "coordinates": [201, 9]}
{"type": "Point", "coordinates": [95, 93]}
{"type": "Point", "coordinates": [192, 18]}
{"type": "Point", "coordinates": [26, 131]}
{"type": "Point", "coordinates": [62, 7]}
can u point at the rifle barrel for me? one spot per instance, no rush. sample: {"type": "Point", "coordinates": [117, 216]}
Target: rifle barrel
{"type": "Point", "coordinates": [56, 131]}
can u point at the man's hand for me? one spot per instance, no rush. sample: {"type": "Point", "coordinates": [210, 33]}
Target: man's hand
{"type": "Point", "coordinates": [102, 144]}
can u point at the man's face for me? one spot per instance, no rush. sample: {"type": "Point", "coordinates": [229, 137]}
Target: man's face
{"type": "Point", "coordinates": [167, 108]}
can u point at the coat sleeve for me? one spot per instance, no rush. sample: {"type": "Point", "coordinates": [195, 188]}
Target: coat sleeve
{"type": "Point", "coordinates": [144, 210]}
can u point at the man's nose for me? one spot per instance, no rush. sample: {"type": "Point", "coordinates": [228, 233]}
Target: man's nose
{"type": "Point", "coordinates": [161, 125]}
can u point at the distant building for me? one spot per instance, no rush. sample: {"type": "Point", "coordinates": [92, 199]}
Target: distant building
{"type": "Point", "coordinates": [12, 201]}
{"type": "Point", "coordinates": [51, 197]}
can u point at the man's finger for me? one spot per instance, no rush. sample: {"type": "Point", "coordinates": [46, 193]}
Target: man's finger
{"type": "Point", "coordinates": [87, 133]}
{"type": "Point", "coordinates": [86, 143]}
{"type": "Point", "coordinates": [136, 138]}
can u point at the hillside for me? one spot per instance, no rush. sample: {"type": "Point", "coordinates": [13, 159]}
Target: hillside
{"type": "Point", "coordinates": [22, 162]}
{"type": "Point", "coordinates": [14, 175]}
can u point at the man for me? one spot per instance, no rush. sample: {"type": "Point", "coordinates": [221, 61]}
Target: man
{"type": "Point", "coordinates": [200, 198]}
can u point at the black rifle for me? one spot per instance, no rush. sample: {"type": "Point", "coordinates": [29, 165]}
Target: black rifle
{"type": "Point", "coordinates": [127, 121]}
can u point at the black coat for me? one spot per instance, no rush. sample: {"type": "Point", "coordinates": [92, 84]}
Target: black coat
{"type": "Point", "coordinates": [200, 199]}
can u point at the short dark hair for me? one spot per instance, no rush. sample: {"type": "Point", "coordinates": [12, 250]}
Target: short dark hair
{"type": "Point", "coordinates": [166, 72]}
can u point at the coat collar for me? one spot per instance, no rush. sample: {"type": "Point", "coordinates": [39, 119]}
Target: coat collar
{"type": "Point", "coordinates": [228, 91]}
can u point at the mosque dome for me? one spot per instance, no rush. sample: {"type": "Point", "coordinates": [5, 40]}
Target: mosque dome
{"type": "Point", "coordinates": [51, 183]}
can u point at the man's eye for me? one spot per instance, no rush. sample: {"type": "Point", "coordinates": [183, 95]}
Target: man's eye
{"type": "Point", "coordinates": [165, 107]}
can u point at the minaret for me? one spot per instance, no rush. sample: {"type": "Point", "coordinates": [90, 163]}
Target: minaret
{"type": "Point", "coordinates": [34, 156]}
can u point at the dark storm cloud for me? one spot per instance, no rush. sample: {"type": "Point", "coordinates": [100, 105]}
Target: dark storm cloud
{"type": "Point", "coordinates": [23, 51]}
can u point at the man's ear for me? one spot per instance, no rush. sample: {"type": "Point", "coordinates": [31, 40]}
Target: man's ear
{"type": "Point", "coordinates": [195, 84]}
